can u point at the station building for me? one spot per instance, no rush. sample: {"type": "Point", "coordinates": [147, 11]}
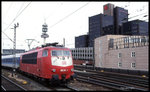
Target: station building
{"type": "Point", "coordinates": [122, 52]}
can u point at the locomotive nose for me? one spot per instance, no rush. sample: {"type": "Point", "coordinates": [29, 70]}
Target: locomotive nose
{"type": "Point", "coordinates": [63, 58]}
{"type": "Point", "coordinates": [63, 76]}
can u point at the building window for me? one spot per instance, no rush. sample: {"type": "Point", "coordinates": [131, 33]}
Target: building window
{"type": "Point", "coordinates": [119, 55]}
{"type": "Point", "coordinates": [133, 65]}
{"type": "Point", "coordinates": [119, 64]}
{"type": "Point", "coordinates": [133, 54]}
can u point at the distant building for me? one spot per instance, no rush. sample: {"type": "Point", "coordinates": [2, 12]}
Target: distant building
{"type": "Point", "coordinates": [81, 41]}
{"type": "Point", "coordinates": [96, 24]}
{"type": "Point", "coordinates": [83, 55]}
{"type": "Point", "coordinates": [10, 51]}
{"type": "Point", "coordinates": [108, 9]}
{"type": "Point", "coordinates": [135, 27]}
{"type": "Point", "coordinates": [120, 16]}
{"type": "Point", "coordinates": [108, 30]}
{"type": "Point", "coordinates": [114, 21]}
{"type": "Point", "coordinates": [122, 52]}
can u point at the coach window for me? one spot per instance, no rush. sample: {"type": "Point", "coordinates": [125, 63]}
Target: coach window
{"type": "Point", "coordinates": [45, 53]}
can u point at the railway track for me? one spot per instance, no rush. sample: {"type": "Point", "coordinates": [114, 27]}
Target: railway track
{"type": "Point", "coordinates": [9, 85]}
{"type": "Point", "coordinates": [113, 80]}
{"type": "Point", "coordinates": [5, 86]}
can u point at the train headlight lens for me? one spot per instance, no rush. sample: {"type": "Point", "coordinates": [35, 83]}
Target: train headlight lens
{"type": "Point", "coordinates": [72, 70]}
{"type": "Point", "coordinates": [53, 70]}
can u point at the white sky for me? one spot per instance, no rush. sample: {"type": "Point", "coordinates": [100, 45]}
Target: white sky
{"type": "Point", "coordinates": [32, 18]}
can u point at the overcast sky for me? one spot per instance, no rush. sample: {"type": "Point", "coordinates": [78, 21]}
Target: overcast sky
{"type": "Point", "coordinates": [64, 20]}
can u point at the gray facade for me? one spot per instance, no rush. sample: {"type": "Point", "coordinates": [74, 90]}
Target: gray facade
{"type": "Point", "coordinates": [82, 53]}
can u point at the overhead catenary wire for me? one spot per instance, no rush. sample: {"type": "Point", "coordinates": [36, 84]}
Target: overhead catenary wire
{"type": "Point", "coordinates": [8, 37]}
{"type": "Point", "coordinates": [68, 15]}
{"type": "Point", "coordinates": [16, 17]}
{"type": "Point", "coordinates": [53, 12]}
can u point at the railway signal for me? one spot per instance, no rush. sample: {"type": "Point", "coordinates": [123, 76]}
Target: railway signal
{"type": "Point", "coordinates": [14, 47]}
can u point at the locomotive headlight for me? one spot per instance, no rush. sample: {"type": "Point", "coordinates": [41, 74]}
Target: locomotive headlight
{"type": "Point", "coordinates": [53, 70]}
{"type": "Point", "coordinates": [72, 70]}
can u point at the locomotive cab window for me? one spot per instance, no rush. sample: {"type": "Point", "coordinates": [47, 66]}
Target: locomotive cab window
{"type": "Point", "coordinates": [45, 53]}
{"type": "Point", "coordinates": [66, 53]}
{"type": "Point", "coordinates": [60, 53]}
{"type": "Point", "coordinates": [57, 53]}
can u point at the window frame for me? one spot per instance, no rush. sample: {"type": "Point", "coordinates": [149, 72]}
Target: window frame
{"type": "Point", "coordinates": [132, 65]}
{"type": "Point", "coordinates": [62, 53]}
{"type": "Point", "coordinates": [133, 55]}
{"type": "Point", "coordinates": [119, 64]}
{"type": "Point", "coordinates": [45, 54]}
{"type": "Point", "coordinates": [119, 55]}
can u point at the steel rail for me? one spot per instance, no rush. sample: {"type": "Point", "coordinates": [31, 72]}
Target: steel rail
{"type": "Point", "coordinates": [115, 79]}
{"type": "Point", "coordinates": [14, 83]}
{"type": "Point", "coordinates": [119, 79]}
{"type": "Point", "coordinates": [3, 88]}
{"type": "Point", "coordinates": [108, 84]}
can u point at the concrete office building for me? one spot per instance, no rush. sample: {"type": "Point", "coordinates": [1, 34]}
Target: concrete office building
{"type": "Point", "coordinates": [122, 52]}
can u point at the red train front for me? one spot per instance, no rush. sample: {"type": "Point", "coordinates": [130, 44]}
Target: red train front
{"type": "Point", "coordinates": [52, 63]}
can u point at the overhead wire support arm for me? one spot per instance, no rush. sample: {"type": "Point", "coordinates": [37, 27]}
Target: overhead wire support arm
{"type": "Point", "coordinates": [29, 42]}
{"type": "Point", "coordinates": [16, 17]}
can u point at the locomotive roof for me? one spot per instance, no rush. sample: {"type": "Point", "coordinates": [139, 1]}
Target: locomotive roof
{"type": "Point", "coordinates": [40, 48]}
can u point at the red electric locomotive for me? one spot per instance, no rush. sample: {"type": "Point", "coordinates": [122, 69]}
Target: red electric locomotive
{"type": "Point", "coordinates": [48, 62]}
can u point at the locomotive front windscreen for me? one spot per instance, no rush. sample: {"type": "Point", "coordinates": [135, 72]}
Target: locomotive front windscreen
{"type": "Point", "coordinates": [60, 53]}
{"type": "Point", "coordinates": [61, 58]}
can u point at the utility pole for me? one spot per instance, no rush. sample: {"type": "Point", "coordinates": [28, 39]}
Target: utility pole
{"type": "Point", "coordinates": [64, 42]}
{"type": "Point", "coordinates": [14, 47]}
